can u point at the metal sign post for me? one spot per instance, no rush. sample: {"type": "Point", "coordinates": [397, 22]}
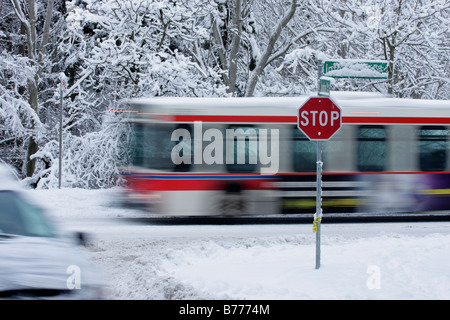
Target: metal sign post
{"type": "Point", "coordinates": [324, 91]}
{"type": "Point", "coordinates": [319, 128]}
{"type": "Point", "coordinates": [61, 86]}
{"type": "Point", "coordinates": [319, 118]}
{"type": "Point", "coordinates": [318, 214]}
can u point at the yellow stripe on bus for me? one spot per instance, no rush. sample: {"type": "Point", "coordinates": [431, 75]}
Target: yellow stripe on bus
{"type": "Point", "coordinates": [435, 192]}
{"type": "Point", "coordinates": [311, 203]}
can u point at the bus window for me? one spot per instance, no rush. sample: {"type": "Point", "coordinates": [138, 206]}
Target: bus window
{"type": "Point", "coordinates": [371, 148]}
{"type": "Point", "coordinates": [432, 148]}
{"type": "Point", "coordinates": [304, 152]}
{"type": "Point", "coordinates": [184, 146]}
{"type": "Point", "coordinates": [152, 146]}
{"type": "Point", "coordinates": [243, 148]}
{"type": "Point", "coordinates": [137, 145]}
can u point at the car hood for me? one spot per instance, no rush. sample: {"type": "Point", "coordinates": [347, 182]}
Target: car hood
{"type": "Point", "coordinates": [45, 266]}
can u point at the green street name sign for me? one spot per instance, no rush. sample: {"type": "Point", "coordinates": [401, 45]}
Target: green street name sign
{"type": "Point", "coordinates": [376, 69]}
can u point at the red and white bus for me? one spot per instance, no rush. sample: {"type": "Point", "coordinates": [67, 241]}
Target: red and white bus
{"type": "Point", "coordinates": [246, 156]}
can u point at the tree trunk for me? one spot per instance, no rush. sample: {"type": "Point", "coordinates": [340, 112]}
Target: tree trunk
{"type": "Point", "coordinates": [31, 163]}
{"type": "Point", "coordinates": [235, 44]}
{"type": "Point", "coordinates": [32, 144]}
{"type": "Point", "coordinates": [391, 81]}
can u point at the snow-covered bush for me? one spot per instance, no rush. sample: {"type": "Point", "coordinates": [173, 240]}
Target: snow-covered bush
{"type": "Point", "coordinates": [92, 160]}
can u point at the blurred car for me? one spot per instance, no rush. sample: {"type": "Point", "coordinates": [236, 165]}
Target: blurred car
{"type": "Point", "coordinates": [36, 260]}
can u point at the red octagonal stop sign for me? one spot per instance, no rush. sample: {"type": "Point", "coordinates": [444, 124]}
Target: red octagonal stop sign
{"type": "Point", "coordinates": [319, 118]}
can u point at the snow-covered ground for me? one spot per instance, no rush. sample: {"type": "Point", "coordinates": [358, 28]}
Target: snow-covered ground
{"type": "Point", "coordinates": [359, 261]}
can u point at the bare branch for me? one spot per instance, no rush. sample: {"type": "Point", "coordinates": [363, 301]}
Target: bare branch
{"type": "Point", "coordinates": [269, 49]}
{"type": "Point", "coordinates": [46, 31]}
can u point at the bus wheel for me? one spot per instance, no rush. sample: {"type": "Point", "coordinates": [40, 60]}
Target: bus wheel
{"type": "Point", "coordinates": [232, 202]}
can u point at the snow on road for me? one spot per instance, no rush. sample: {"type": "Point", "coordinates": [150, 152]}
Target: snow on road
{"type": "Point", "coordinates": [359, 261]}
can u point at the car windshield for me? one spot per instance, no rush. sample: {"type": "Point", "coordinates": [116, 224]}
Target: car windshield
{"type": "Point", "coordinates": [19, 217]}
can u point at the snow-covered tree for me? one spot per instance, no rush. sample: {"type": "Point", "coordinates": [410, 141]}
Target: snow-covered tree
{"type": "Point", "coordinates": [15, 112]}
{"type": "Point", "coordinates": [246, 38]}
{"type": "Point", "coordinates": [136, 47]}
{"type": "Point", "coordinates": [27, 42]}
{"type": "Point", "coordinates": [253, 42]}
{"type": "Point", "coordinates": [411, 35]}
{"type": "Point", "coordinates": [115, 50]}
{"type": "Point", "coordinates": [291, 68]}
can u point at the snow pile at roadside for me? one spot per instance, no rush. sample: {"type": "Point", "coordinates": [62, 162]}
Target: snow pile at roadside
{"type": "Point", "coordinates": [147, 264]}
{"type": "Point", "coordinates": [385, 267]}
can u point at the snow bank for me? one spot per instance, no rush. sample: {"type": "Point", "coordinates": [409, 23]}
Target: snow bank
{"type": "Point", "coordinates": [384, 267]}
{"type": "Point", "coordinates": [389, 261]}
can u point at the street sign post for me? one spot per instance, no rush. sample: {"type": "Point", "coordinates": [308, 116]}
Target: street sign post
{"type": "Point", "coordinates": [319, 118]}
{"type": "Point", "coordinates": [324, 86]}
{"type": "Point", "coordinates": [61, 95]}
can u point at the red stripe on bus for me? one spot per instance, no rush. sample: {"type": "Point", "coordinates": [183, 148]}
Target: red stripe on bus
{"type": "Point", "coordinates": [363, 173]}
{"type": "Point", "coordinates": [293, 119]}
{"type": "Point", "coordinates": [231, 118]}
{"type": "Point", "coordinates": [396, 120]}
{"type": "Point", "coordinates": [155, 185]}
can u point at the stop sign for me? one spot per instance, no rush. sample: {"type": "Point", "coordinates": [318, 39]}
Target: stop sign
{"type": "Point", "coordinates": [319, 118]}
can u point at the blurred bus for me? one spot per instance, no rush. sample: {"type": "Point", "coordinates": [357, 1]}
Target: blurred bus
{"type": "Point", "coordinates": [246, 156]}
